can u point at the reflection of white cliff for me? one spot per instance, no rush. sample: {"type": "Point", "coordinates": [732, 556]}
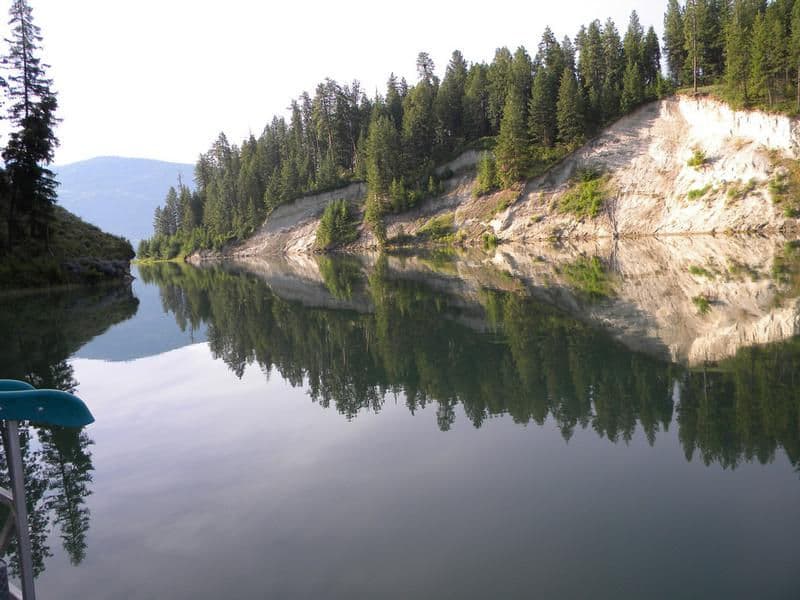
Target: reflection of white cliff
{"type": "Point", "coordinates": [655, 283]}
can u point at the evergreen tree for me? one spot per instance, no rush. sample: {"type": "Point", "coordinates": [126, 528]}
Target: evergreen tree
{"type": "Point", "coordinates": [632, 88]}
{"type": "Point", "coordinates": [614, 71]}
{"type": "Point", "coordinates": [651, 61]}
{"type": "Point", "coordinates": [794, 49]}
{"type": "Point", "coordinates": [633, 43]}
{"type": "Point", "coordinates": [476, 102]}
{"type": "Point", "coordinates": [737, 52]}
{"type": "Point", "coordinates": [698, 36]}
{"type": "Point", "coordinates": [760, 63]}
{"type": "Point", "coordinates": [383, 158]}
{"type": "Point", "coordinates": [591, 69]}
{"type": "Point", "coordinates": [512, 142]}
{"type": "Point", "coordinates": [570, 110]}
{"type": "Point", "coordinates": [498, 75]}
{"type": "Point", "coordinates": [170, 213]}
{"type": "Point", "coordinates": [394, 102]}
{"type": "Point", "coordinates": [542, 120]}
{"type": "Point", "coordinates": [419, 120]}
{"type": "Point", "coordinates": [450, 99]}
{"type": "Point", "coordinates": [486, 180]}
{"type": "Point", "coordinates": [633, 78]}
{"type": "Point", "coordinates": [674, 42]}
{"type": "Point", "coordinates": [32, 142]}
{"type": "Point", "coordinates": [542, 108]}
{"type": "Point", "coordinates": [522, 68]}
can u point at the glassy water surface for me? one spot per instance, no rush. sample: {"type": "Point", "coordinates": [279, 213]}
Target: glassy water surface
{"type": "Point", "coordinates": [561, 426]}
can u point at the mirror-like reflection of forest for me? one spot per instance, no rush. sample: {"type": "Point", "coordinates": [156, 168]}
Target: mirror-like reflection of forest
{"type": "Point", "coordinates": [40, 332]}
{"type": "Point", "coordinates": [515, 355]}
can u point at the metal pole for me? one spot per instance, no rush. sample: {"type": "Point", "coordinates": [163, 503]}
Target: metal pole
{"type": "Point", "coordinates": [24, 551]}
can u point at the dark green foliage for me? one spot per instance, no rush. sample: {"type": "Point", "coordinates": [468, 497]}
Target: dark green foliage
{"type": "Point", "coordinates": [450, 101]}
{"type": "Point", "coordinates": [498, 75]}
{"type": "Point", "coordinates": [486, 180]}
{"type": "Point", "coordinates": [632, 88]}
{"type": "Point", "coordinates": [513, 145]}
{"type": "Point", "coordinates": [28, 186]}
{"type": "Point", "coordinates": [737, 66]}
{"type": "Point", "coordinates": [337, 225]}
{"type": "Point", "coordinates": [570, 115]}
{"type": "Point", "coordinates": [550, 67]}
{"type": "Point", "coordinates": [674, 41]}
{"type": "Point", "coordinates": [374, 218]}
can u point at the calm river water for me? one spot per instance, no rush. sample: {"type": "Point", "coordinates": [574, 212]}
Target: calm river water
{"type": "Point", "coordinates": [345, 429]}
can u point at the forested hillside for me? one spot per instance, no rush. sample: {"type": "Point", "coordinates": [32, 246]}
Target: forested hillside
{"type": "Point", "coordinates": [530, 108]}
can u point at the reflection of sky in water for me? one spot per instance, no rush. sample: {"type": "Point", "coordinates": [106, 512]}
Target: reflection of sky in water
{"type": "Point", "coordinates": [152, 331]}
{"type": "Point", "coordinates": [210, 487]}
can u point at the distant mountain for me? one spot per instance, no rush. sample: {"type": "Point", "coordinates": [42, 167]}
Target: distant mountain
{"type": "Point", "coordinates": [119, 194]}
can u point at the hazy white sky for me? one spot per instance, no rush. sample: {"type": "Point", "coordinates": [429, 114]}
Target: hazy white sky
{"type": "Point", "coordinates": [160, 79]}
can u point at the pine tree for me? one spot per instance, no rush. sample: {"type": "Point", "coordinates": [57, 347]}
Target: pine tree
{"type": "Point", "coordinates": [383, 158]}
{"type": "Point", "coordinates": [476, 102]}
{"type": "Point", "coordinates": [512, 142]}
{"type": "Point", "coordinates": [777, 47]}
{"type": "Point", "coordinates": [794, 49]}
{"type": "Point", "coordinates": [450, 99]}
{"type": "Point", "coordinates": [498, 75]}
{"type": "Point", "coordinates": [614, 71]}
{"type": "Point", "coordinates": [692, 42]}
{"type": "Point", "coordinates": [521, 79]}
{"type": "Point", "coordinates": [486, 180]}
{"type": "Point", "coordinates": [760, 67]}
{"type": "Point", "coordinates": [632, 88]}
{"type": "Point", "coordinates": [542, 108]}
{"type": "Point", "coordinates": [591, 69]}
{"type": "Point", "coordinates": [570, 110]}
{"type": "Point", "coordinates": [651, 61]}
{"type": "Point", "coordinates": [419, 122]}
{"type": "Point", "coordinates": [737, 54]}
{"type": "Point", "coordinates": [674, 42]}
{"type": "Point", "coordinates": [32, 143]}
{"type": "Point", "coordinates": [633, 78]}
{"type": "Point", "coordinates": [541, 114]}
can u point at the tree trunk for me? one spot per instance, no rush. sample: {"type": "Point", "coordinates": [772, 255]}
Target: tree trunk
{"type": "Point", "coordinates": [798, 87]}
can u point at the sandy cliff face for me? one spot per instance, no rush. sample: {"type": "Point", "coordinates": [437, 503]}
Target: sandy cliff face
{"type": "Point", "coordinates": [649, 192]}
{"type": "Point", "coordinates": [651, 183]}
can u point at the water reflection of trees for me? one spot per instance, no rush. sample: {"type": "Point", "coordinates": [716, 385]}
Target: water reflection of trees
{"type": "Point", "coordinates": [534, 363]}
{"type": "Point", "coordinates": [40, 332]}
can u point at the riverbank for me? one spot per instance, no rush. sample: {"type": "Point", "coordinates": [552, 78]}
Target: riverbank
{"type": "Point", "coordinates": [680, 166]}
{"type": "Point", "coordinates": [78, 253]}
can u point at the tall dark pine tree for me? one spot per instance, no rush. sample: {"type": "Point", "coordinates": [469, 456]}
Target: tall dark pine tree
{"type": "Point", "coordinates": [32, 114]}
{"type": "Point", "coordinates": [674, 41]}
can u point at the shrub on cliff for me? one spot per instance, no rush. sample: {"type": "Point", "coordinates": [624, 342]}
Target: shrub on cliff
{"type": "Point", "coordinates": [337, 226]}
